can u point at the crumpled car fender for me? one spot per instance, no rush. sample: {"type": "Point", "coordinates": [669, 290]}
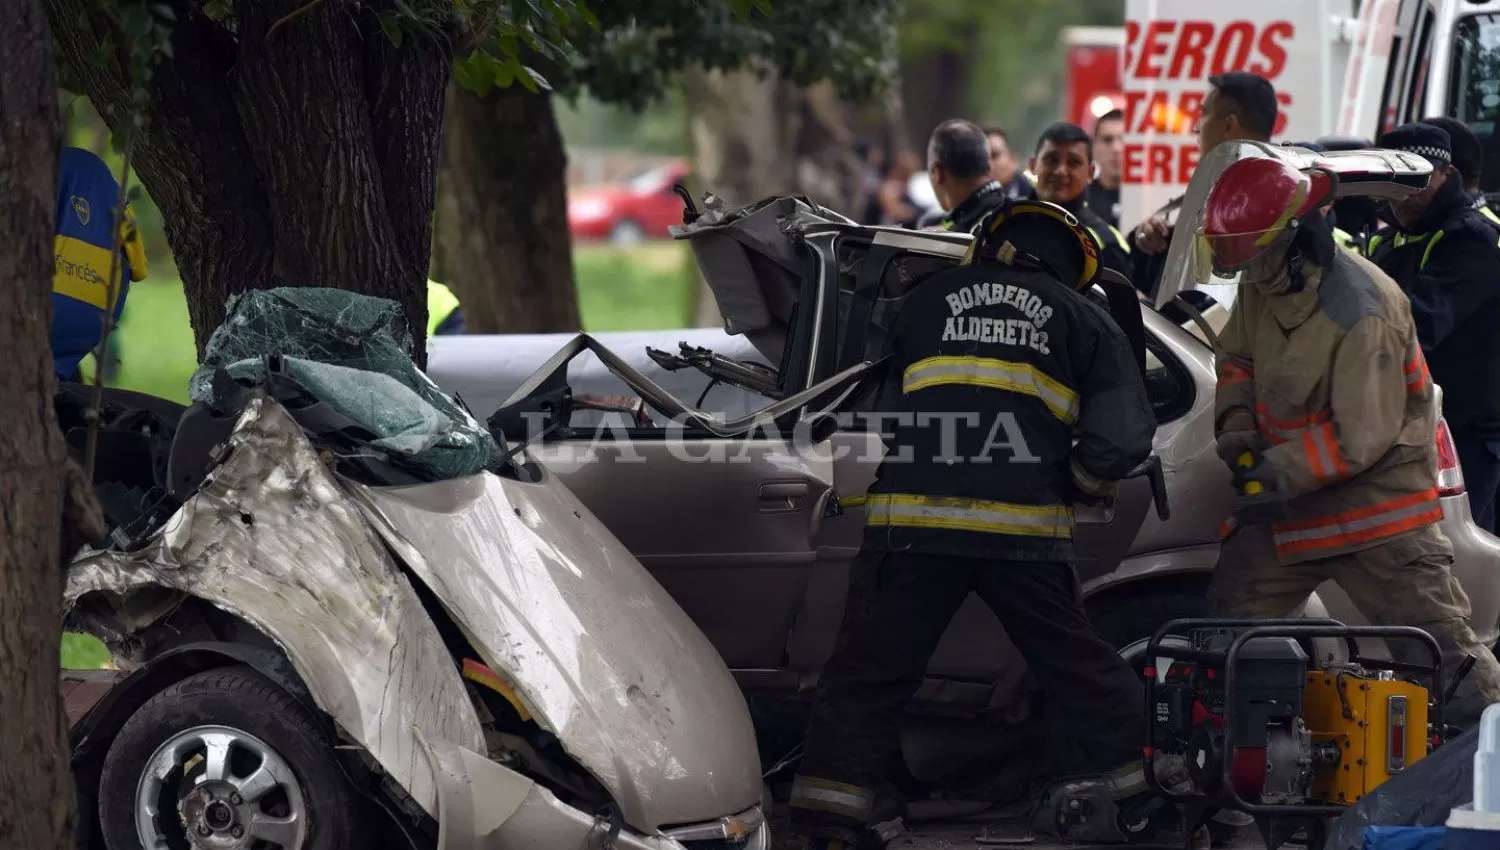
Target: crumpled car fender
{"type": "Point", "coordinates": [272, 539]}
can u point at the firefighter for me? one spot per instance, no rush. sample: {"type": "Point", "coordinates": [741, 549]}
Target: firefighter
{"type": "Point", "coordinates": [958, 164]}
{"type": "Point", "coordinates": [1239, 105]}
{"type": "Point", "coordinates": [1323, 412]}
{"type": "Point", "coordinates": [994, 368]}
{"type": "Point", "coordinates": [1444, 254]}
{"type": "Point", "coordinates": [1064, 165]}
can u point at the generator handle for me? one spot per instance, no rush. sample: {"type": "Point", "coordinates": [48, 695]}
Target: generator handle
{"type": "Point", "coordinates": [1313, 631]}
{"type": "Point", "coordinates": [1153, 645]}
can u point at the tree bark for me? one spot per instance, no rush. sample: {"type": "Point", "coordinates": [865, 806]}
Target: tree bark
{"type": "Point", "coordinates": [754, 136]}
{"type": "Point", "coordinates": [303, 157]}
{"type": "Point", "coordinates": [503, 241]}
{"type": "Point", "coordinates": [40, 491]}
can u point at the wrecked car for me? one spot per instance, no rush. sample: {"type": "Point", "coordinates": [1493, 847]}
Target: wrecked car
{"type": "Point", "coordinates": [346, 617]}
{"type": "Point", "coordinates": [746, 527]}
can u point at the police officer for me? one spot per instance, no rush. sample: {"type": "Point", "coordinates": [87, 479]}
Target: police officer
{"type": "Point", "coordinates": [1324, 403]}
{"type": "Point", "coordinates": [1444, 254]}
{"type": "Point", "coordinates": [998, 365]}
{"type": "Point", "coordinates": [84, 237]}
{"type": "Point", "coordinates": [1064, 166]}
{"type": "Point", "coordinates": [958, 164]}
{"type": "Point", "coordinates": [1468, 158]}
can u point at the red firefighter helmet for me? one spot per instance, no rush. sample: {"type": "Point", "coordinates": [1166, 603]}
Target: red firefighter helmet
{"type": "Point", "coordinates": [1252, 205]}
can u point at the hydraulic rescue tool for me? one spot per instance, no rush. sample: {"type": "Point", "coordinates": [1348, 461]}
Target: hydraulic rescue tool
{"type": "Point", "coordinates": [1267, 729]}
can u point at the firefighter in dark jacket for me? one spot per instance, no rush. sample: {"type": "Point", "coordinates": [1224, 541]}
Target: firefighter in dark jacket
{"type": "Point", "coordinates": [995, 367]}
{"type": "Point", "coordinates": [1444, 255]}
{"type": "Point", "coordinates": [958, 165]}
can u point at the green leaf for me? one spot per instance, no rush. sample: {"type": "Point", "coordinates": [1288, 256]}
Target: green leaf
{"type": "Point", "coordinates": [533, 80]}
{"type": "Point", "coordinates": [390, 26]}
{"type": "Point", "coordinates": [473, 73]}
{"type": "Point", "coordinates": [217, 11]}
{"type": "Point", "coordinates": [135, 21]}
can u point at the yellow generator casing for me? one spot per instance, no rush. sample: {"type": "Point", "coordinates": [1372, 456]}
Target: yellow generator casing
{"type": "Point", "coordinates": [1378, 726]}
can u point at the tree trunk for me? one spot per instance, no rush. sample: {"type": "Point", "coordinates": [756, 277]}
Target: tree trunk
{"type": "Point", "coordinates": [503, 242]}
{"type": "Point", "coordinates": [36, 479]}
{"type": "Point", "coordinates": [307, 157]}
{"type": "Point", "coordinates": [756, 136]}
{"type": "Point", "coordinates": [935, 87]}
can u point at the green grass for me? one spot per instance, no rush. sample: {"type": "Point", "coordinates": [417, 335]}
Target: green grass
{"type": "Point", "coordinates": [646, 288]}
{"type": "Point", "coordinates": [83, 652]}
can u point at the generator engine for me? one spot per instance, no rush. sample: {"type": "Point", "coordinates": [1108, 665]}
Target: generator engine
{"type": "Point", "coordinates": [1264, 729]}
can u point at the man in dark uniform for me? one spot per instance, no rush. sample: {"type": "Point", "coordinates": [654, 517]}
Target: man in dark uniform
{"type": "Point", "coordinates": [1064, 165]}
{"type": "Point", "coordinates": [1445, 256]}
{"type": "Point", "coordinates": [995, 368]}
{"type": "Point", "coordinates": [1468, 158]}
{"type": "Point", "coordinates": [1239, 105]}
{"type": "Point", "coordinates": [1103, 195]}
{"type": "Point", "coordinates": [958, 164]}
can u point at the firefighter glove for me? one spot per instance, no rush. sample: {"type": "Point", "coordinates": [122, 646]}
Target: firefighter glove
{"type": "Point", "coordinates": [1233, 444]}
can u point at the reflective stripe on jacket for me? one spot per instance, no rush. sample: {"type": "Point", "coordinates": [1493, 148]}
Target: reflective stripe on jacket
{"type": "Point", "coordinates": [998, 369]}
{"type": "Point", "coordinates": [1333, 379]}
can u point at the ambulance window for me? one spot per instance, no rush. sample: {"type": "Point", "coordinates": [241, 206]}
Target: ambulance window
{"type": "Point", "coordinates": [1395, 75]}
{"type": "Point", "coordinates": [1414, 106]}
{"type": "Point", "coordinates": [1474, 95]}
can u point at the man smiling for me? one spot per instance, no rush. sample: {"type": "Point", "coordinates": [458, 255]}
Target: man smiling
{"type": "Point", "coordinates": [1064, 167]}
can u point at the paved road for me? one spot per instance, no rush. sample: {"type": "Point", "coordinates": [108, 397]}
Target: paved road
{"type": "Point", "coordinates": [1004, 831]}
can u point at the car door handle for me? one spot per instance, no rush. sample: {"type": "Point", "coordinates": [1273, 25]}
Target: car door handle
{"type": "Point", "coordinates": [782, 496]}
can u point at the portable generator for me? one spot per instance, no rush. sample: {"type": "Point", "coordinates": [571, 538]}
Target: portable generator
{"type": "Point", "coordinates": [1265, 729]}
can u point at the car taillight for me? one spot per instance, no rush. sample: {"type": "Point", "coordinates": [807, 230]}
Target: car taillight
{"type": "Point", "coordinates": [1450, 478]}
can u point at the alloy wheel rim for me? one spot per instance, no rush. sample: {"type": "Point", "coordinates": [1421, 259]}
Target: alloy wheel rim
{"type": "Point", "coordinates": [219, 788]}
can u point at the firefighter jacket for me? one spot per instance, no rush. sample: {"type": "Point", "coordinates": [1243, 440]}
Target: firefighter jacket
{"type": "Point", "coordinates": [1333, 379]}
{"type": "Point", "coordinates": [993, 372]}
{"type": "Point", "coordinates": [1450, 269]}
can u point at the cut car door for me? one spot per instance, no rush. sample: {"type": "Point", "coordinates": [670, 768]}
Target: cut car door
{"type": "Point", "coordinates": [724, 524]}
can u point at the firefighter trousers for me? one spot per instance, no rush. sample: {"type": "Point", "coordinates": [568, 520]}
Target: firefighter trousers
{"type": "Point", "coordinates": [898, 607]}
{"type": "Point", "coordinates": [1407, 581]}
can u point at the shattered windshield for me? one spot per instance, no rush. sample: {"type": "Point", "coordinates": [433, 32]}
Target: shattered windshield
{"type": "Point", "coordinates": [352, 352]}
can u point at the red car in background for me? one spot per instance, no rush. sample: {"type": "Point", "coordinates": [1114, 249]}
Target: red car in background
{"type": "Point", "coordinates": [640, 207]}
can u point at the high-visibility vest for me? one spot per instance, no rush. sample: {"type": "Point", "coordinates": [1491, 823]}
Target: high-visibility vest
{"type": "Point", "coordinates": [441, 302]}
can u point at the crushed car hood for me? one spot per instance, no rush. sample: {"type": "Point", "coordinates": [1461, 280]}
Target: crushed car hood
{"type": "Point", "coordinates": [596, 649]}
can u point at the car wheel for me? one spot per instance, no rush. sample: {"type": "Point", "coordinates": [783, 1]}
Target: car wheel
{"type": "Point", "coordinates": [226, 760]}
{"type": "Point", "coordinates": [627, 233]}
{"type": "Point", "coordinates": [1139, 618]}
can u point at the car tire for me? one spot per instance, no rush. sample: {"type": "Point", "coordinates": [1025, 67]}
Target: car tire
{"type": "Point", "coordinates": [1140, 617]}
{"type": "Point", "coordinates": [266, 738]}
{"type": "Point", "coordinates": [627, 233]}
